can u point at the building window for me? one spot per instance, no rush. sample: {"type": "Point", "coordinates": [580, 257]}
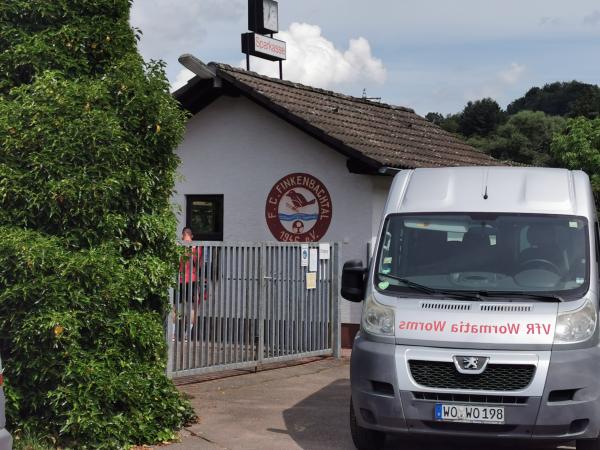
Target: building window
{"type": "Point", "coordinates": [204, 215]}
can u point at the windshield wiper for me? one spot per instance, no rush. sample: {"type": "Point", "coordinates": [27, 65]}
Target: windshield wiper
{"type": "Point", "coordinates": [430, 290]}
{"type": "Point", "coordinates": [523, 294]}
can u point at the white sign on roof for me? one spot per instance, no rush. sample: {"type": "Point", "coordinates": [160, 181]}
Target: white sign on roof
{"type": "Point", "coordinates": [269, 46]}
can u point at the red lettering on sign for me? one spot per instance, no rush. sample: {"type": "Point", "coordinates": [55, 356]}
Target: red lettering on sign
{"type": "Point", "coordinates": [437, 325]}
{"type": "Point", "coordinates": [268, 45]}
{"type": "Point", "coordinates": [463, 327]}
{"type": "Point", "coordinates": [539, 328]}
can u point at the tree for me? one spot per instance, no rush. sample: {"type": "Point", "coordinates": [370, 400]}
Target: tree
{"type": "Point", "coordinates": [570, 99]}
{"type": "Point", "coordinates": [578, 148]}
{"type": "Point", "coordinates": [435, 117]}
{"type": "Point", "coordinates": [87, 252]}
{"type": "Point", "coordinates": [524, 138]}
{"type": "Point", "coordinates": [448, 123]}
{"type": "Point", "coordinates": [451, 123]}
{"type": "Point", "coordinates": [586, 105]}
{"type": "Point", "coordinates": [480, 117]}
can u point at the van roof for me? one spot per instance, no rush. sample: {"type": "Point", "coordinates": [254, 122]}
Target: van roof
{"type": "Point", "coordinates": [509, 189]}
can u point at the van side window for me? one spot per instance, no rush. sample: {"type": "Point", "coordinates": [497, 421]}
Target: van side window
{"type": "Point", "coordinates": [387, 255]}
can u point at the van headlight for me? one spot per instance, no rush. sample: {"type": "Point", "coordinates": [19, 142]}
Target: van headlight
{"type": "Point", "coordinates": [377, 318]}
{"type": "Point", "coordinates": [576, 326]}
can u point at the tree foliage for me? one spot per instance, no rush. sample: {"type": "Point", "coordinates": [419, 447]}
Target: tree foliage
{"type": "Point", "coordinates": [524, 132]}
{"type": "Point", "coordinates": [480, 117]}
{"type": "Point", "coordinates": [87, 133]}
{"type": "Point", "coordinates": [524, 138]}
{"type": "Point", "coordinates": [578, 148]}
{"type": "Point", "coordinates": [435, 117]}
{"type": "Point", "coordinates": [570, 99]}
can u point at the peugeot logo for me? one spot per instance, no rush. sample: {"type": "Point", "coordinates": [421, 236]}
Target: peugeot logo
{"type": "Point", "coordinates": [471, 363]}
{"type": "Point", "coordinates": [474, 365]}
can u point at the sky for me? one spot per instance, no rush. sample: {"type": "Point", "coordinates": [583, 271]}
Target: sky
{"type": "Point", "coordinates": [429, 55]}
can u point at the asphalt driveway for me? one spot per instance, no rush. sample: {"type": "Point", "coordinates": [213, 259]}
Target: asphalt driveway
{"type": "Point", "coordinates": [300, 407]}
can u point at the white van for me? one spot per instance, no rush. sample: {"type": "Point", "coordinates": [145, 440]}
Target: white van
{"type": "Point", "coordinates": [480, 309]}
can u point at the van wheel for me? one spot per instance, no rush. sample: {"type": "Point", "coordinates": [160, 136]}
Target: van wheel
{"type": "Point", "coordinates": [363, 438]}
{"type": "Point", "coordinates": [588, 444]}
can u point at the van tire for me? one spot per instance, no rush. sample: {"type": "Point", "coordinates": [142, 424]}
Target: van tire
{"type": "Point", "coordinates": [588, 444]}
{"type": "Point", "coordinates": [363, 438]}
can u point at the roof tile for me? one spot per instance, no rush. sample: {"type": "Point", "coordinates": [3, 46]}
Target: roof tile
{"type": "Point", "coordinates": [386, 134]}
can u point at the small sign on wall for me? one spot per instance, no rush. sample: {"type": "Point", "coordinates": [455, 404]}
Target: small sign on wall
{"type": "Point", "coordinates": [304, 255]}
{"type": "Point", "coordinates": [313, 258]}
{"type": "Point", "coordinates": [324, 251]}
{"type": "Point", "coordinates": [311, 280]}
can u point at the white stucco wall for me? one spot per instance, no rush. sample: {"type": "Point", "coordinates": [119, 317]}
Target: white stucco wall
{"type": "Point", "coordinates": [238, 149]}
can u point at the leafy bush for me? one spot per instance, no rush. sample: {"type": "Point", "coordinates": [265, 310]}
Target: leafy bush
{"type": "Point", "coordinates": [578, 148]}
{"type": "Point", "coordinates": [524, 138]}
{"type": "Point", "coordinates": [87, 132]}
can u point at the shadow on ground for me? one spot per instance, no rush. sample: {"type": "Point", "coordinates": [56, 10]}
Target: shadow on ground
{"type": "Point", "coordinates": [320, 421]}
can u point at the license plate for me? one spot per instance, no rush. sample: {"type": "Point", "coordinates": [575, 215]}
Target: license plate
{"type": "Point", "coordinates": [469, 413]}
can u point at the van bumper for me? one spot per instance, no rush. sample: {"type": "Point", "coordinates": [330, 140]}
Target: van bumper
{"type": "Point", "coordinates": [572, 413]}
{"type": "Point", "coordinates": [5, 440]}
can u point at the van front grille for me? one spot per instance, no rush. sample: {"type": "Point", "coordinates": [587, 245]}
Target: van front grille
{"type": "Point", "coordinates": [506, 308]}
{"type": "Point", "coordinates": [496, 377]}
{"type": "Point", "coordinates": [446, 306]}
{"type": "Point", "coordinates": [470, 398]}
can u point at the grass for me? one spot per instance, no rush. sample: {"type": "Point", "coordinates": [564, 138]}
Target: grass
{"type": "Point", "coordinates": [32, 441]}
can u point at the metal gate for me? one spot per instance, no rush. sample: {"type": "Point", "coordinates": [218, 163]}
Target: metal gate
{"type": "Point", "coordinates": [240, 305]}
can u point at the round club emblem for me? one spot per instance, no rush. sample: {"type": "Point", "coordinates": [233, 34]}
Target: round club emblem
{"type": "Point", "coordinates": [298, 209]}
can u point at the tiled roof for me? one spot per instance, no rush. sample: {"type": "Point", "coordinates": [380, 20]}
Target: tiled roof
{"type": "Point", "coordinates": [374, 133]}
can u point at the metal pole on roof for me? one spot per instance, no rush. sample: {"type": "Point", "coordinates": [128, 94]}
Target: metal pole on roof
{"type": "Point", "coordinates": [280, 65]}
{"type": "Point", "coordinates": [248, 62]}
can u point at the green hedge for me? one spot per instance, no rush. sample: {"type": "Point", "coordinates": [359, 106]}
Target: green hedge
{"type": "Point", "coordinates": [87, 253]}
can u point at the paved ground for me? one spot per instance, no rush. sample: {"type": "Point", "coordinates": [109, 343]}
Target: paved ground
{"type": "Point", "coordinates": [300, 407]}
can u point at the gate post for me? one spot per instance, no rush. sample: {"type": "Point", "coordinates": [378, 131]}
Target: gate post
{"type": "Point", "coordinates": [170, 332]}
{"type": "Point", "coordinates": [335, 298]}
{"type": "Point", "coordinates": [262, 298]}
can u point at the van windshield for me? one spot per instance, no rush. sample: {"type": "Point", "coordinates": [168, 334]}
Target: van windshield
{"type": "Point", "coordinates": [485, 253]}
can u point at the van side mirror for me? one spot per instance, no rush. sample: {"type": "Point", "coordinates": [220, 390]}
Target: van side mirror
{"type": "Point", "coordinates": [353, 281]}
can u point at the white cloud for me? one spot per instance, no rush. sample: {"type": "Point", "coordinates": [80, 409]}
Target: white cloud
{"type": "Point", "coordinates": [314, 60]}
{"type": "Point", "coordinates": [592, 19]}
{"type": "Point", "coordinates": [513, 74]}
{"type": "Point", "coordinates": [427, 45]}
{"type": "Point", "coordinates": [173, 25]}
{"type": "Point", "coordinates": [181, 79]}
{"type": "Point", "coordinates": [497, 85]}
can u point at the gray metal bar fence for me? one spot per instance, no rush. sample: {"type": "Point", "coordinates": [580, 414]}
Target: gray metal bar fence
{"type": "Point", "coordinates": [241, 305]}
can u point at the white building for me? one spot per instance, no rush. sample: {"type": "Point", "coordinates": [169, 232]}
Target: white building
{"type": "Point", "coordinates": [265, 160]}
